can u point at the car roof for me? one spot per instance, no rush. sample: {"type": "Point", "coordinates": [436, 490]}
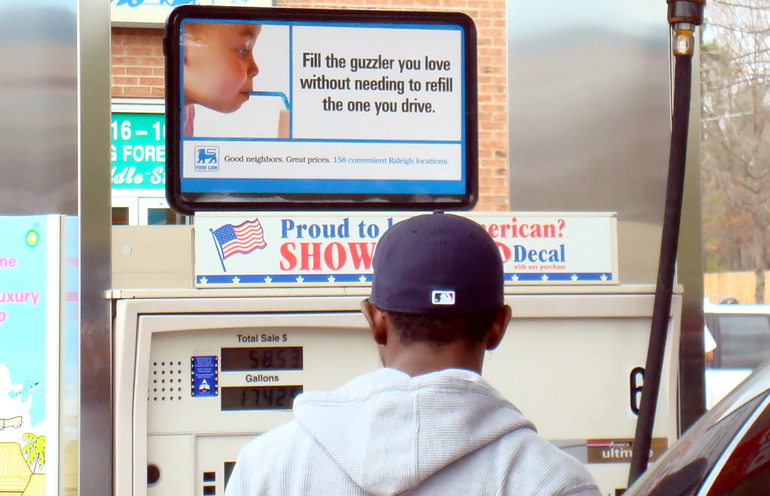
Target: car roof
{"type": "Point", "coordinates": [756, 385]}
{"type": "Point", "coordinates": [753, 385]}
{"type": "Point", "coordinates": [732, 308]}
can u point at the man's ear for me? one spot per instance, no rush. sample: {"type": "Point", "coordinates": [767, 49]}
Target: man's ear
{"type": "Point", "coordinates": [499, 326]}
{"type": "Point", "coordinates": [378, 322]}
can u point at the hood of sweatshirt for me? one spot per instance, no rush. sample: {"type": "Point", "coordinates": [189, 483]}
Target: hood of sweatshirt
{"type": "Point", "coordinates": [389, 431]}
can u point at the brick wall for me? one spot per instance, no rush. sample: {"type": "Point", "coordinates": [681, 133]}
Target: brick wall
{"type": "Point", "coordinates": [137, 63]}
{"type": "Point", "coordinates": [137, 72]}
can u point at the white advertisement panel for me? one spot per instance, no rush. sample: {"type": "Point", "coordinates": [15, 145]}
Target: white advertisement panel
{"type": "Point", "coordinates": [402, 84]}
{"type": "Point", "coordinates": [30, 319]}
{"type": "Point", "coordinates": [303, 249]}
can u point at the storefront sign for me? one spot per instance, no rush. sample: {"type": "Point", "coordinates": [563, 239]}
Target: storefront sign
{"type": "Point", "coordinates": [138, 150]}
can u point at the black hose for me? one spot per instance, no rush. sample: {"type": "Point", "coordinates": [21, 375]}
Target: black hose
{"type": "Point", "coordinates": [669, 245]}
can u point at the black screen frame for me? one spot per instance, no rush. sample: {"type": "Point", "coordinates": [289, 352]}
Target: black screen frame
{"type": "Point", "coordinates": [189, 203]}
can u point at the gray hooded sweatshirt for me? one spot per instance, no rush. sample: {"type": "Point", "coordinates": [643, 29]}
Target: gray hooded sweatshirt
{"type": "Point", "coordinates": [386, 433]}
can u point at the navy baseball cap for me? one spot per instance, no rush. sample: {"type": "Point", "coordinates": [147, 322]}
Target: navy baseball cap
{"type": "Point", "coordinates": [437, 263]}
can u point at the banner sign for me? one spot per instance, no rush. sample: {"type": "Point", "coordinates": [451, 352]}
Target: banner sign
{"type": "Point", "coordinates": [336, 249]}
{"type": "Point", "coordinates": [155, 12]}
{"type": "Point", "coordinates": [138, 151]}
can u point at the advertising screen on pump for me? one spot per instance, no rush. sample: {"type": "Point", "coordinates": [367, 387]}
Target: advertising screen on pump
{"type": "Point", "coordinates": [373, 108]}
{"type": "Point", "coordinates": [291, 249]}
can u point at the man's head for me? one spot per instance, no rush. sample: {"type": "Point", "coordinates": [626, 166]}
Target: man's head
{"type": "Point", "coordinates": [437, 294]}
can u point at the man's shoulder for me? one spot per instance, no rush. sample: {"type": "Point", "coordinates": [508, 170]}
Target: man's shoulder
{"type": "Point", "coordinates": [536, 461]}
{"type": "Point", "coordinates": [277, 437]}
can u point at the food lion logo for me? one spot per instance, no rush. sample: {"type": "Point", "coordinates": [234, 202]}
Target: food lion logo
{"type": "Point", "coordinates": [443, 297]}
{"type": "Point", "coordinates": [206, 158]}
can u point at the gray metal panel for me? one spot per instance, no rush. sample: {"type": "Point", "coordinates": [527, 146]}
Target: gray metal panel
{"type": "Point", "coordinates": [690, 273]}
{"type": "Point", "coordinates": [589, 116]}
{"type": "Point", "coordinates": [54, 156]}
{"type": "Point", "coordinates": [38, 149]}
{"type": "Point", "coordinates": [95, 221]}
{"type": "Point", "coordinates": [38, 108]}
{"type": "Point", "coordinates": [589, 130]}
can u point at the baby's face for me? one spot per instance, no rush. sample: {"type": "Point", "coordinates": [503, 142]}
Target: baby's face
{"type": "Point", "coordinates": [219, 64]}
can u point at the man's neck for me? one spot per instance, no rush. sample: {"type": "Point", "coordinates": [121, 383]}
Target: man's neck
{"type": "Point", "coordinates": [422, 358]}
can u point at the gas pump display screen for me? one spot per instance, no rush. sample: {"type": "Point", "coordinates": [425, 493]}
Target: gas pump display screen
{"type": "Point", "coordinates": [295, 109]}
{"type": "Point", "coordinates": [259, 397]}
{"type": "Point", "coordinates": [266, 358]}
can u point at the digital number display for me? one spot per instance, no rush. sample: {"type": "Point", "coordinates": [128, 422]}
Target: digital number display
{"type": "Point", "coordinates": [266, 358]}
{"type": "Point", "coordinates": [259, 397]}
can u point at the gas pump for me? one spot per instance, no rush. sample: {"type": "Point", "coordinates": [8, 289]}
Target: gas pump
{"type": "Point", "coordinates": [203, 367]}
{"type": "Point", "coordinates": [217, 332]}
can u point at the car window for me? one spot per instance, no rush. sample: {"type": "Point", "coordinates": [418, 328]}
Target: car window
{"type": "Point", "coordinates": [683, 468]}
{"type": "Point", "coordinates": [747, 470]}
{"type": "Point", "coordinates": [743, 341]}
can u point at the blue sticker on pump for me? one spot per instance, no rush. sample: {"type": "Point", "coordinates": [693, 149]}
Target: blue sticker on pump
{"type": "Point", "coordinates": [204, 376]}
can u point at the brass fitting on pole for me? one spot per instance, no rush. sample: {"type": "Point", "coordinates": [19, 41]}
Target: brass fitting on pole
{"type": "Point", "coordinates": [684, 15]}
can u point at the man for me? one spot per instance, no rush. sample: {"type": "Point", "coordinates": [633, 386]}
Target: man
{"type": "Point", "coordinates": [427, 423]}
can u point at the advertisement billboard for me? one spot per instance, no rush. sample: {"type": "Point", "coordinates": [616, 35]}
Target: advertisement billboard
{"type": "Point", "coordinates": [293, 109]}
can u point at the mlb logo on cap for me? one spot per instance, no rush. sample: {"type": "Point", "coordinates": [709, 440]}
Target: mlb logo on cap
{"type": "Point", "coordinates": [443, 297]}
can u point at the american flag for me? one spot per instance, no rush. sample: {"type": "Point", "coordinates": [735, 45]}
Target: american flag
{"type": "Point", "coordinates": [243, 238]}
